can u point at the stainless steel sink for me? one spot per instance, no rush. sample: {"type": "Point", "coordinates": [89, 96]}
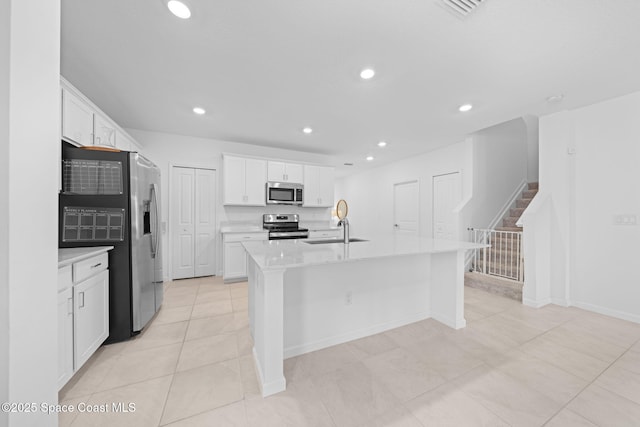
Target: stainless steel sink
{"type": "Point", "coordinates": [322, 242]}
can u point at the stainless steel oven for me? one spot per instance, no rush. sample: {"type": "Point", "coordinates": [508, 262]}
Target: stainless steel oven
{"type": "Point", "coordinates": [283, 226]}
{"type": "Point", "coordinates": [284, 193]}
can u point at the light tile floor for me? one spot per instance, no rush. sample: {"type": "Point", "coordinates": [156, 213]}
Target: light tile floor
{"type": "Point", "coordinates": [511, 366]}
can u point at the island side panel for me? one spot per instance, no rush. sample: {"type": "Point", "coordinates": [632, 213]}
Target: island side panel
{"type": "Point", "coordinates": [331, 304]}
{"type": "Point", "coordinates": [447, 288]}
{"type": "Point", "coordinates": [267, 313]}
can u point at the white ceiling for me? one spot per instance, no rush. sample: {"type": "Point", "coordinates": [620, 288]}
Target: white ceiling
{"type": "Point", "coordinates": [264, 69]}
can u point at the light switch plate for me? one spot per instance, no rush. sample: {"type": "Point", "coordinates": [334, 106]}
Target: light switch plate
{"type": "Point", "coordinates": [625, 219]}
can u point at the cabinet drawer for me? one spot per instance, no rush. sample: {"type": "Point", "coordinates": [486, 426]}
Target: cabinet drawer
{"type": "Point", "coordinates": [89, 267]}
{"type": "Point", "coordinates": [65, 279]}
{"type": "Point", "coordinates": [243, 237]}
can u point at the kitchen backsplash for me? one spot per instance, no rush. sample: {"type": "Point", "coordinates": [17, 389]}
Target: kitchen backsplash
{"type": "Point", "coordinates": [253, 215]}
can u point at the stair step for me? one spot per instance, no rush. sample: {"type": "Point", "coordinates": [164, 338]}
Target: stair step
{"type": "Point", "coordinates": [511, 274]}
{"type": "Point", "coordinates": [499, 249]}
{"type": "Point", "coordinates": [516, 212]}
{"type": "Point", "coordinates": [502, 266]}
{"type": "Point", "coordinates": [502, 240]}
{"type": "Point", "coordinates": [533, 186]}
{"type": "Point", "coordinates": [503, 228]}
{"type": "Point", "coordinates": [522, 203]}
{"type": "Point", "coordinates": [528, 194]}
{"type": "Point", "coordinates": [509, 221]}
{"type": "Point", "coordinates": [503, 287]}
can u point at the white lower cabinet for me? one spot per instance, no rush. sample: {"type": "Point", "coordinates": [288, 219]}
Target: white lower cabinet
{"type": "Point", "coordinates": [83, 313]}
{"type": "Point", "coordinates": [90, 319]}
{"type": "Point", "coordinates": [65, 336]}
{"type": "Point", "coordinates": [235, 257]}
{"type": "Point", "coordinates": [235, 261]}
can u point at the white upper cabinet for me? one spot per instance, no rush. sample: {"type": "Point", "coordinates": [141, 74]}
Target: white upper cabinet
{"type": "Point", "coordinates": [285, 172]}
{"type": "Point", "coordinates": [255, 172]}
{"type": "Point", "coordinates": [83, 123]}
{"type": "Point", "coordinates": [318, 186]}
{"type": "Point", "coordinates": [123, 142]}
{"type": "Point", "coordinates": [77, 119]}
{"type": "Point", "coordinates": [234, 180]}
{"type": "Point", "coordinates": [244, 181]}
{"type": "Point", "coordinates": [104, 132]}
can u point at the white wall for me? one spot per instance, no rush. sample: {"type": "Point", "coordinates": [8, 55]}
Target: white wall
{"type": "Point", "coordinates": [370, 193]}
{"type": "Point", "coordinates": [533, 125]}
{"type": "Point", "coordinates": [30, 111]}
{"type": "Point", "coordinates": [499, 169]}
{"type": "Point", "coordinates": [593, 260]}
{"type": "Point", "coordinates": [607, 177]}
{"type": "Point", "coordinates": [5, 38]}
{"type": "Point", "coordinates": [168, 149]}
{"type": "Point", "coordinates": [493, 163]}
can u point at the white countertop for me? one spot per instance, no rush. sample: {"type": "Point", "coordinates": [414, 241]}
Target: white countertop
{"type": "Point", "coordinates": [68, 256]}
{"type": "Point", "coordinates": [241, 228]}
{"type": "Point", "coordinates": [282, 254]}
{"type": "Point", "coordinates": [253, 227]}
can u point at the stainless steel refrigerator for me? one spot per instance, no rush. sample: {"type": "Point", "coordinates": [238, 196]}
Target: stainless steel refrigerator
{"type": "Point", "coordinates": [113, 198]}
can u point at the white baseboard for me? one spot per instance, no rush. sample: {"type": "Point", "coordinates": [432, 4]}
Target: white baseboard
{"type": "Point", "coordinates": [583, 305]}
{"type": "Point", "coordinates": [273, 387]}
{"type": "Point", "coordinates": [350, 336]}
{"type": "Point", "coordinates": [535, 303]}
{"type": "Point", "coordinates": [561, 302]}
{"type": "Point", "coordinates": [450, 322]}
{"type": "Point", "coordinates": [608, 311]}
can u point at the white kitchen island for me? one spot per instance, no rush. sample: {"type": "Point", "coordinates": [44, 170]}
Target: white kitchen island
{"type": "Point", "coordinates": [304, 297]}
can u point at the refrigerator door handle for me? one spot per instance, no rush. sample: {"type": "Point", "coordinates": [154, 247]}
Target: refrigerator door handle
{"type": "Point", "coordinates": [154, 231]}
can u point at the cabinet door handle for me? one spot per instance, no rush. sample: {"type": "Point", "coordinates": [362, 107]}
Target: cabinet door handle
{"type": "Point", "coordinates": [81, 302]}
{"type": "Point", "coordinates": [97, 265]}
{"type": "Point", "coordinates": [69, 305]}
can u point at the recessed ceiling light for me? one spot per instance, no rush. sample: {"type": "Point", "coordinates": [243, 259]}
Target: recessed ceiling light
{"type": "Point", "coordinates": [382, 144]}
{"type": "Point", "coordinates": [199, 110]}
{"type": "Point", "coordinates": [465, 107]}
{"type": "Point", "coordinates": [367, 73]}
{"type": "Point", "coordinates": [554, 99]}
{"type": "Point", "coordinates": [369, 158]}
{"type": "Point", "coordinates": [307, 130]}
{"type": "Point", "coordinates": [179, 9]}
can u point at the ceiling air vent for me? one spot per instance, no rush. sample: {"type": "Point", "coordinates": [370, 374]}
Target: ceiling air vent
{"type": "Point", "coordinates": [463, 7]}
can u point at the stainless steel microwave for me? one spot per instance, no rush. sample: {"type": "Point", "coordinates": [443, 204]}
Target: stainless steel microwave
{"type": "Point", "coordinates": [284, 193]}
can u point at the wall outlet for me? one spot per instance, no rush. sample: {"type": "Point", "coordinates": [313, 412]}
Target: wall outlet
{"type": "Point", "coordinates": [625, 219]}
{"type": "Point", "coordinates": [348, 299]}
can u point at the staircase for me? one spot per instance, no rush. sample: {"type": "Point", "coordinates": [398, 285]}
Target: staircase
{"type": "Point", "coordinates": [509, 222]}
{"type": "Point", "coordinates": [499, 269]}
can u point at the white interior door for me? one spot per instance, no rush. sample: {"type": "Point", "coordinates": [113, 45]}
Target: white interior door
{"type": "Point", "coordinates": [205, 221]}
{"type": "Point", "coordinates": [182, 222]}
{"type": "Point", "coordinates": [193, 224]}
{"type": "Point", "coordinates": [406, 208]}
{"type": "Point", "coordinates": [447, 194]}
